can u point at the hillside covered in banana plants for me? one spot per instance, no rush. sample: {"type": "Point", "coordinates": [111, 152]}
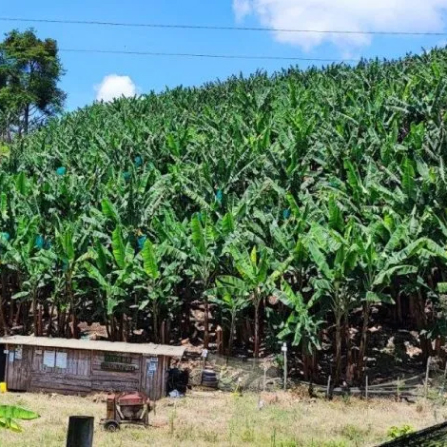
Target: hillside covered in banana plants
{"type": "Point", "coordinates": [306, 207]}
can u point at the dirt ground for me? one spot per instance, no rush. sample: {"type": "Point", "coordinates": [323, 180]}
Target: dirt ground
{"type": "Point", "coordinates": [222, 419]}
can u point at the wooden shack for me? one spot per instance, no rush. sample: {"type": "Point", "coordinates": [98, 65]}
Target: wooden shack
{"type": "Point", "coordinates": [84, 366]}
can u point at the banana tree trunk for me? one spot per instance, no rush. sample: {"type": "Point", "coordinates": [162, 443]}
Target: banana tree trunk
{"type": "Point", "coordinates": [155, 321]}
{"type": "Point", "coordinates": [363, 340]}
{"type": "Point", "coordinates": [230, 341]}
{"type": "Point", "coordinates": [338, 341]}
{"type": "Point", "coordinates": [256, 334]}
{"type": "Point", "coordinates": [113, 327]}
{"type": "Point", "coordinates": [40, 321]}
{"type": "Point", "coordinates": [4, 326]}
{"type": "Point", "coordinates": [421, 324]}
{"type": "Point", "coordinates": [121, 327]}
{"type": "Point", "coordinates": [163, 333]}
{"type": "Point", "coordinates": [108, 328]}
{"type": "Point", "coordinates": [60, 321]}
{"type": "Point", "coordinates": [349, 362]}
{"type": "Point", "coordinates": [50, 324]}
{"type": "Point", "coordinates": [35, 316]}
{"type": "Point", "coordinates": [74, 320]}
{"type": "Point", "coordinates": [305, 360]}
{"type": "Point", "coordinates": [206, 336]}
{"type": "Point", "coordinates": [3, 301]}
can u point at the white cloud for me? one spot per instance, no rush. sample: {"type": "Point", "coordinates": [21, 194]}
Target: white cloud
{"type": "Point", "coordinates": [241, 8]}
{"type": "Point", "coordinates": [355, 15]}
{"type": "Point", "coordinates": [115, 86]}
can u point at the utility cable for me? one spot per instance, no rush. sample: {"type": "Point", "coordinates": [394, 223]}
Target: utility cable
{"type": "Point", "coordinates": [205, 55]}
{"type": "Point", "coordinates": [223, 28]}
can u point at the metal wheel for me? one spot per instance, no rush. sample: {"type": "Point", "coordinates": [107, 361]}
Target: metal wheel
{"type": "Point", "coordinates": [112, 426]}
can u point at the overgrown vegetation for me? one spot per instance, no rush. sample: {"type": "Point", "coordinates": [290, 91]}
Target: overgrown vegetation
{"type": "Point", "coordinates": [221, 419]}
{"type": "Point", "coordinates": [286, 207]}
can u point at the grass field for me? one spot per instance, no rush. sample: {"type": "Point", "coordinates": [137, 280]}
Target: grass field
{"type": "Point", "coordinates": [203, 419]}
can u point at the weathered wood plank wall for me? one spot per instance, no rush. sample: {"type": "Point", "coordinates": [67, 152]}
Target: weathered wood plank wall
{"type": "Point", "coordinates": [18, 368]}
{"type": "Point", "coordinates": [103, 380]}
{"type": "Point", "coordinates": [154, 378]}
{"type": "Point", "coordinates": [85, 372]}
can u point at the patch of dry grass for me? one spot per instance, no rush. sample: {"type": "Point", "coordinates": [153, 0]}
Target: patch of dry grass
{"type": "Point", "coordinates": [206, 419]}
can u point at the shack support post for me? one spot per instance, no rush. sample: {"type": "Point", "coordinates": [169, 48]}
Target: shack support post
{"type": "Point", "coordinates": [80, 431]}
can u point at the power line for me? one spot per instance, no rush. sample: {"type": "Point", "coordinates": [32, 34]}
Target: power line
{"type": "Point", "coordinates": [223, 28]}
{"type": "Point", "coordinates": [204, 55]}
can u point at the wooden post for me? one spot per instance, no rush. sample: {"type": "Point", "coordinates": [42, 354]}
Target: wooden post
{"type": "Point", "coordinates": [204, 356]}
{"type": "Point", "coordinates": [265, 373]}
{"type": "Point", "coordinates": [328, 389]}
{"type": "Point", "coordinates": [445, 377]}
{"type": "Point", "coordinates": [80, 431]}
{"type": "Point", "coordinates": [219, 340]}
{"type": "Point", "coordinates": [284, 350]}
{"type": "Point", "coordinates": [427, 373]}
{"type": "Point", "coordinates": [366, 389]}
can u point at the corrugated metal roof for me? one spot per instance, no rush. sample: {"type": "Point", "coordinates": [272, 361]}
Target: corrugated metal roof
{"type": "Point", "coordinates": [63, 343]}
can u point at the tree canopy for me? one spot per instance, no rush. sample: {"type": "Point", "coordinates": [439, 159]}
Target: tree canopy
{"type": "Point", "coordinates": [30, 71]}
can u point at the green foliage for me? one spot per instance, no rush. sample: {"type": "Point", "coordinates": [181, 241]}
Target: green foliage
{"type": "Point", "coordinates": [29, 73]}
{"type": "Point", "coordinates": [396, 432]}
{"type": "Point", "coordinates": [289, 200]}
{"type": "Point", "coordinates": [302, 325]}
{"type": "Point", "coordinates": [9, 415]}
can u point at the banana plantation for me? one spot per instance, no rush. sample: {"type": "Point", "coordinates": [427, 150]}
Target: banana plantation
{"type": "Point", "coordinates": [305, 207]}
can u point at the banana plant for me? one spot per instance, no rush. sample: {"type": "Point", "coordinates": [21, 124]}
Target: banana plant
{"type": "Point", "coordinates": [254, 283]}
{"type": "Point", "coordinates": [33, 265]}
{"type": "Point", "coordinates": [335, 258]}
{"type": "Point", "coordinates": [113, 274]}
{"type": "Point", "coordinates": [159, 277]}
{"type": "Point", "coordinates": [303, 323]}
{"type": "Point", "coordinates": [231, 304]}
{"type": "Point", "coordinates": [9, 414]}
{"type": "Point", "coordinates": [38, 271]}
{"type": "Point", "coordinates": [371, 287]}
{"type": "Point", "coordinates": [204, 260]}
{"type": "Point", "coordinates": [70, 247]}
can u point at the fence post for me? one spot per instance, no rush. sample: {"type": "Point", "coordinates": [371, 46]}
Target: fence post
{"type": "Point", "coordinates": [284, 350]}
{"type": "Point", "coordinates": [328, 389]}
{"type": "Point", "coordinates": [444, 378]}
{"type": "Point", "coordinates": [219, 336]}
{"type": "Point", "coordinates": [427, 373]}
{"type": "Point", "coordinates": [265, 373]}
{"type": "Point", "coordinates": [366, 388]}
{"type": "Point", "coordinates": [398, 389]}
{"type": "Point", "coordinates": [80, 431]}
{"type": "Point", "coordinates": [204, 357]}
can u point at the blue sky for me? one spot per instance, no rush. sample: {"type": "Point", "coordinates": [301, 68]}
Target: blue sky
{"type": "Point", "coordinates": [87, 72]}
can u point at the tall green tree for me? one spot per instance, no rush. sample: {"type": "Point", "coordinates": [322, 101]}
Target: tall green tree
{"type": "Point", "coordinates": [30, 71]}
